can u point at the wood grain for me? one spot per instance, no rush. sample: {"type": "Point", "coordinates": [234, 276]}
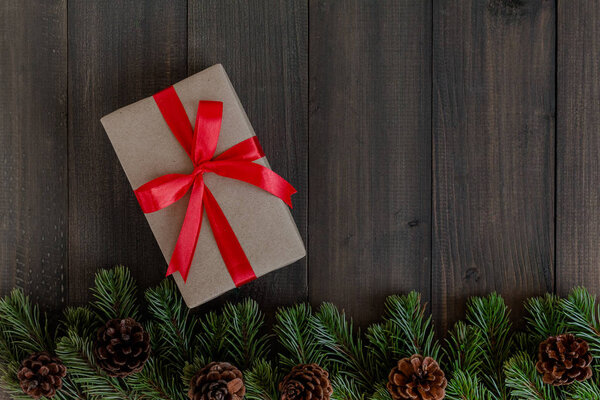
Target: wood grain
{"type": "Point", "coordinates": [493, 152]}
{"type": "Point", "coordinates": [119, 52]}
{"type": "Point", "coordinates": [370, 152]}
{"type": "Point", "coordinates": [263, 47]}
{"type": "Point", "coordinates": [33, 150]}
{"type": "Point", "coordinates": [578, 146]}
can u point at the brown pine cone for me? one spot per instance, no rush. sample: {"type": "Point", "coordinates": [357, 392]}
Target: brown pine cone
{"type": "Point", "coordinates": [217, 381]}
{"type": "Point", "coordinates": [41, 375]}
{"type": "Point", "coordinates": [418, 378]}
{"type": "Point", "coordinates": [564, 359]}
{"type": "Point", "coordinates": [122, 347]}
{"type": "Point", "coordinates": [306, 382]}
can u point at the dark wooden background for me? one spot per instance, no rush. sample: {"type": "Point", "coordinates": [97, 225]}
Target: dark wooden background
{"type": "Point", "coordinates": [450, 147]}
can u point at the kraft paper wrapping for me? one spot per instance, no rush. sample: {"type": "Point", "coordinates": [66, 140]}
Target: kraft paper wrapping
{"type": "Point", "coordinates": [147, 149]}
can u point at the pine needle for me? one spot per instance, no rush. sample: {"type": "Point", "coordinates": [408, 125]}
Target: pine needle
{"type": "Point", "coordinates": [262, 381]}
{"type": "Point", "coordinates": [295, 334]}
{"type": "Point", "coordinates": [525, 383]}
{"type": "Point", "coordinates": [115, 294]}
{"type": "Point", "coordinates": [246, 341]}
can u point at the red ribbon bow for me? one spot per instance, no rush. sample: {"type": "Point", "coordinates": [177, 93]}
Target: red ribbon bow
{"type": "Point", "coordinates": [200, 145]}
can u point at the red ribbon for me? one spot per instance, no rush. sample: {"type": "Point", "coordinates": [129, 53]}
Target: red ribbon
{"type": "Point", "coordinates": [236, 163]}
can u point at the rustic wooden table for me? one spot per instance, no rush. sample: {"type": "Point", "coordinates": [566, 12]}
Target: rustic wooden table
{"type": "Point", "coordinates": [450, 147]}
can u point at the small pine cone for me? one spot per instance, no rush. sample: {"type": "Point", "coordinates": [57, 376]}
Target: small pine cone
{"type": "Point", "coordinates": [41, 375]}
{"type": "Point", "coordinates": [564, 359]}
{"type": "Point", "coordinates": [217, 381]}
{"type": "Point", "coordinates": [122, 347]}
{"type": "Point", "coordinates": [418, 378]}
{"type": "Point", "coordinates": [306, 382]}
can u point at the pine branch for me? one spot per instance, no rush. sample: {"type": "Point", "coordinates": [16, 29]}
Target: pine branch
{"type": "Point", "coordinates": [190, 369]}
{"type": "Point", "coordinates": [525, 383]}
{"type": "Point", "coordinates": [247, 343]}
{"type": "Point", "coordinates": [416, 330]}
{"type": "Point", "coordinates": [175, 329]}
{"type": "Point", "coordinates": [156, 382]}
{"type": "Point", "coordinates": [295, 334]}
{"type": "Point", "coordinates": [212, 343]}
{"type": "Point", "coordinates": [491, 316]}
{"type": "Point", "coordinates": [115, 294]}
{"type": "Point", "coordinates": [545, 317]}
{"type": "Point", "coordinates": [22, 327]}
{"type": "Point", "coordinates": [10, 383]}
{"type": "Point", "coordinates": [346, 389]}
{"type": "Point", "coordinates": [386, 350]}
{"type": "Point", "coordinates": [344, 352]}
{"type": "Point", "coordinates": [464, 386]}
{"type": "Point", "coordinates": [464, 347]}
{"type": "Point", "coordinates": [588, 390]}
{"type": "Point", "coordinates": [76, 353]}
{"type": "Point", "coordinates": [381, 393]}
{"type": "Point", "coordinates": [262, 381]}
{"type": "Point", "coordinates": [79, 320]}
{"type": "Point", "coordinates": [583, 318]}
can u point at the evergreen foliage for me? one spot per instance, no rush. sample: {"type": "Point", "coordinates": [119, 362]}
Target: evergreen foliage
{"type": "Point", "coordinates": [483, 357]}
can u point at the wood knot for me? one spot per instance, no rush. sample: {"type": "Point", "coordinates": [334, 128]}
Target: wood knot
{"type": "Point", "coordinates": [506, 8]}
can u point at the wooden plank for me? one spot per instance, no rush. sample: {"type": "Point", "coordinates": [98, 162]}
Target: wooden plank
{"type": "Point", "coordinates": [578, 146]}
{"type": "Point", "coordinates": [119, 52]}
{"type": "Point", "coordinates": [33, 143]}
{"type": "Point", "coordinates": [370, 152]}
{"type": "Point", "coordinates": [263, 47]}
{"type": "Point", "coordinates": [493, 152]}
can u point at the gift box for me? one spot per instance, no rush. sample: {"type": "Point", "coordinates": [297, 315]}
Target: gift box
{"type": "Point", "coordinates": [216, 209]}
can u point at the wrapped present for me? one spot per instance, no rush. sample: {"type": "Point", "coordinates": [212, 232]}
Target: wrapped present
{"type": "Point", "coordinates": [218, 212]}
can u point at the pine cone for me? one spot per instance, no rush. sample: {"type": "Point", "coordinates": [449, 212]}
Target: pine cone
{"type": "Point", "coordinates": [122, 347]}
{"type": "Point", "coordinates": [418, 378]}
{"type": "Point", "coordinates": [564, 359]}
{"type": "Point", "coordinates": [306, 382]}
{"type": "Point", "coordinates": [41, 375]}
{"type": "Point", "coordinates": [217, 381]}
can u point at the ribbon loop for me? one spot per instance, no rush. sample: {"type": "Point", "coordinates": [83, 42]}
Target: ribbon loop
{"type": "Point", "coordinates": [200, 144]}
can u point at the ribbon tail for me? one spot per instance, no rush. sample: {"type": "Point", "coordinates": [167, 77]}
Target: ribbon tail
{"type": "Point", "coordinates": [233, 255]}
{"type": "Point", "coordinates": [256, 175]}
{"type": "Point", "coordinates": [181, 260]}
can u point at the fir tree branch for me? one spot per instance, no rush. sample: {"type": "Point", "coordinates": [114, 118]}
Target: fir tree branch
{"type": "Point", "coordinates": [344, 352]}
{"type": "Point", "coordinates": [525, 383]}
{"type": "Point", "coordinates": [247, 343]}
{"type": "Point", "coordinates": [464, 347]}
{"type": "Point", "coordinates": [491, 316]}
{"type": "Point", "coordinates": [381, 393]}
{"type": "Point", "coordinates": [416, 330]}
{"type": "Point", "coordinates": [464, 386]}
{"type": "Point", "coordinates": [22, 326]}
{"type": "Point", "coordinates": [346, 389]}
{"type": "Point", "coordinates": [175, 329]}
{"type": "Point", "coordinates": [545, 317]}
{"type": "Point", "coordinates": [115, 294]}
{"type": "Point", "coordinates": [294, 333]}
{"type": "Point", "coordinates": [76, 353]}
{"type": "Point", "coordinates": [384, 346]}
{"type": "Point", "coordinates": [262, 381]}
{"type": "Point", "coordinates": [212, 343]}
{"type": "Point", "coordinates": [583, 318]}
{"type": "Point", "coordinates": [156, 382]}
{"type": "Point", "coordinates": [588, 390]}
